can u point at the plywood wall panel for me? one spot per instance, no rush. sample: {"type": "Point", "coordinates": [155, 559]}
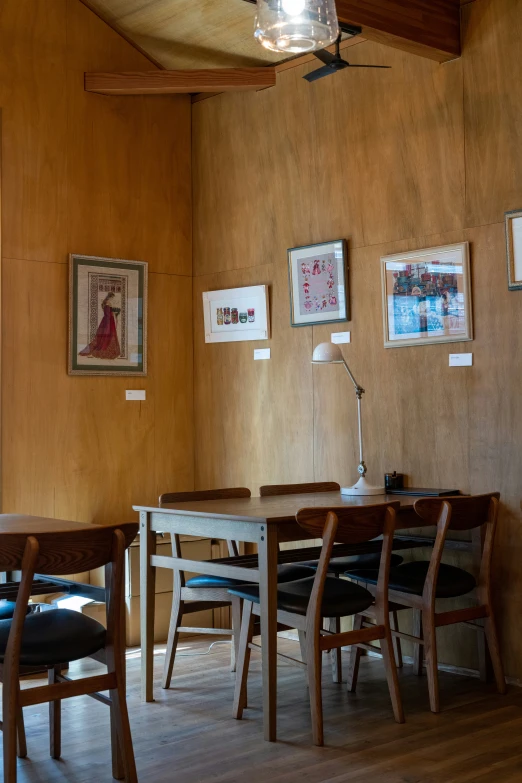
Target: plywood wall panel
{"type": "Point", "coordinates": [419, 156]}
{"type": "Point", "coordinates": [32, 96]}
{"type": "Point", "coordinates": [255, 417]}
{"type": "Point", "coordinates": [89, 175]}
{"type": "Point", "coordinates": [343, 156]}
{"type": "Point", "coordinates": [130, 178]}
{"type": "Point", "coordinates": [74, 447]}
{"type": "Point", "coordinates": [492, 31]}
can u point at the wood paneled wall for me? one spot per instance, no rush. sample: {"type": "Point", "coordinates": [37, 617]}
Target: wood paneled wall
{"type": "Point", "coordinates": [97, 176]}
{"type": "Point", "coordinates": [417, 156]}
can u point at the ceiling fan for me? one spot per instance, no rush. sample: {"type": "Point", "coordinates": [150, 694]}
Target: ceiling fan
{"type": "Point", "coordinates": [334, 63]}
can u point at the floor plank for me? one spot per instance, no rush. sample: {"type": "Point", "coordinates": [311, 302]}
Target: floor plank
{"type": "Point", "coordinates": [188, 734]}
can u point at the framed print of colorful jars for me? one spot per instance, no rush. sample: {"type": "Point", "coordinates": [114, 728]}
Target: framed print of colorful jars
{"type": "Point", "coordinates": [236, 314]}
{"type": "Point", "coordinates": [318, 279]}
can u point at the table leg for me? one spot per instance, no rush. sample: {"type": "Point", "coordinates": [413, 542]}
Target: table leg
{"type": "Point", "coordinates": [268, 611]}
{"type": "Point", "coordinates": [147, 599]}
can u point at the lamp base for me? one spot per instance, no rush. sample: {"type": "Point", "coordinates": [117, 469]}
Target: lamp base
{"type": "Point", "coordinates": [363, 487]}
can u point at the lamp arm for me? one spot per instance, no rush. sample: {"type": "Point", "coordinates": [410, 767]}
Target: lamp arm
{"type": "Point", "coordinates": [358, 389]}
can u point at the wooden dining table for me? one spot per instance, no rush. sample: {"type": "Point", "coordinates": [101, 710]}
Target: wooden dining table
{"type": "Point", "coordinates": [264, 521]}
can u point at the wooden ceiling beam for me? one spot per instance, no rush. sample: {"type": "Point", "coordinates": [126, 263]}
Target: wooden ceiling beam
{"type": "Point", "coordinates": [171, 82]}
{"type": "Point", "coordinates": [429, 28]}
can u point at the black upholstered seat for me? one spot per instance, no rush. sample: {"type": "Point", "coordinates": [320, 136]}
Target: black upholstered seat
{"type": "Point", "coordinates": [410, 577]}
{"type": "Point", "coordinates": [339, 565]}
{"type": "Point", "coordinates": [7, 609]}
{"type": "Point", "coordinates": [287, 572]}
{"type": "Point", "coordinates": [340, 599]}
{"type": "Point", "coordinates": [55, 637]}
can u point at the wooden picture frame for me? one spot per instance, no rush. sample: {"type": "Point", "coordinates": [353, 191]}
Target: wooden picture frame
{"type": "Point", "coordinates": [514, 249]}
{"type": "Point", "coordinates": [427, 296]}
{"type": "Point", "coordinates": [107, 316]}
{"type": "Point", "coordinates": [318, 282]}
{"type": "Point", "coordinates": [236, 314]}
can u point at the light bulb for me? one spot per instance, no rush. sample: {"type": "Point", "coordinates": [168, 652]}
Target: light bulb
{"type": "Point", "coordinates": [296, 26]}
{"type": "Point", "coordinates": [293, 7]}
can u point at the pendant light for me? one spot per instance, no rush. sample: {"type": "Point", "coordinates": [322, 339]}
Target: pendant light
{"type": "Point", "coordinates": [296, 26]}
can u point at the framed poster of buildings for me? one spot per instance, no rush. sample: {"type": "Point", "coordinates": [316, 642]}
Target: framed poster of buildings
{"type": "Point", "coordinates": [427, 296]}
{"type": "Point", "coordinates": [107, 316]}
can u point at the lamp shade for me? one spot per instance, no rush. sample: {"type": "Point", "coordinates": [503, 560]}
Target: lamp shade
{"type": "Point", "coordinates": [327, 353]}
{"type": "Point", "coordinates": [296, 26]}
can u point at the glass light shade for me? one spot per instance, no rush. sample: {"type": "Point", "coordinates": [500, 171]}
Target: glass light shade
{"type": "Point", "coordinates": [327, 353]}
{"type": "Point", "coordinates": [296, 26]}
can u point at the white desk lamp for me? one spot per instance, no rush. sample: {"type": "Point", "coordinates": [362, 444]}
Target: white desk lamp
{"type": "Point", "coordinates": [330, 353]}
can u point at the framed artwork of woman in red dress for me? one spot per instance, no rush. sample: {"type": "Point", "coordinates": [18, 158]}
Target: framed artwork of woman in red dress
{"type": "Point", "coordinates": [107, 316]}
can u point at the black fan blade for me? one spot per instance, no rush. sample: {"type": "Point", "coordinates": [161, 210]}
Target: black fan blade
{"type": "Point", "coordinates": [318, 74]}
{"type": "Point", "coordinates": [325, 56]}
{"type": "Point", "coordinates": [355, 65]}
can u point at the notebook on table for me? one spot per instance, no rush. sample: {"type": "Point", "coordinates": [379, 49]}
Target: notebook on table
{"type": "Point", "coordinates": [423, 492]}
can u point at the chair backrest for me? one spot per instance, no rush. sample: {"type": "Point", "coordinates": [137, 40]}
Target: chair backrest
{"type": "Point", "coordinates": [63, 551]}
{"type": "Point", "coordinates": [460, 513]}
{"type": "Point", "coordinates": [467, 511]}
{"type": "Point", "coordinates": [349, 525]}
{"type": "Point", "coordinates": [298, 489]}
{"type": "Point", "coordinates": [204, 494]}
{"type": "Point", "coordinates": [355, 524]}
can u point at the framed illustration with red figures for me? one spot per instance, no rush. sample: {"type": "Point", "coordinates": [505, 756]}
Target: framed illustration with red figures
{"type": "Point", "coordinates": [107, 316]}
{"type": "Point", "coordinates": [318, 279]}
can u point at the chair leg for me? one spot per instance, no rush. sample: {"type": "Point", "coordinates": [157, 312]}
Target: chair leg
{"type": "Point", "coordinates": [334, 624]}
{"type": "Point", "coordinates": [243, 660]}
{"type": "Point", "coordinates": [314, 661]}
{"type": "Point", "coordinates": [394, 620]}
{"type": "Point", "coordinates": [391, 676]}
{"type": "Point", "coordinates": [118, 771]}
{"type": "Point", "coordinates": [430, 654]}
{"type": "Point", "coordinates": [10, 712]}
{"type": "Point", "coordinates": [176, 616]}
{"type": "Point", "coordinates": [418, 651]}
{"type": "Point", "coordinates": [494, 653]}
{"type": "Point", "coordinates": [20, 729]}
{"type": "Point", "coordinates": [55, 718]}
{"type": "Point", "coordinates": [120, 716]}
{"type": "Point", "coordinates": [236, 630]}
{"type": "Point", "coordinates": [354, 658]}
{"type": "Point", "coordinates": [302, 644]}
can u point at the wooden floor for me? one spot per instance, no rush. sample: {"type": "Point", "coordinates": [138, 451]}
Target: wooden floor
{"type": "Point", "coordinates": [189, 736]}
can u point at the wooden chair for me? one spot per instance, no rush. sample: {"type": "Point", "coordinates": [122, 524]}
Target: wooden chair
{"type": "Point", "coordinates": [47, 639]}
{"type": "Point", "coordinates": [206, 591]}
{"type": "Point", "coordinates": [305, 604]}
{"type": "Point", "coordinates": [417, 585]}
{"type": "Point", "coordinates": [338, 565]}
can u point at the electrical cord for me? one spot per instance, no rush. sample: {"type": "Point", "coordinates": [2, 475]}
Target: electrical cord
{"type": "Point", "coordinates": [207, 652]}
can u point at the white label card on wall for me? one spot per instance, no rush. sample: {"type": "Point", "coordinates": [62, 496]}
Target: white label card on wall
{"type": "Point", "coordinates": [135, 394]}
{"type": "Point", "coordinates": [340, 337]}
{"type": "Point", "coordinates": [461, 360]}
{"type": "Point", "coordinates": [261, 353]}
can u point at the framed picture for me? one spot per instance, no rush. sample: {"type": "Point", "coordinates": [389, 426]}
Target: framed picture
{"type": "Point", "coordinates": [107, 316]}
{"type": "Point", "coordinates": [427, 296]}
{"type": "Point", "coordinates": [318, 283]}
{"type": "Point", "coordinates": [236, 314]}
{"type": "Point", "coordinates": [514, 249]}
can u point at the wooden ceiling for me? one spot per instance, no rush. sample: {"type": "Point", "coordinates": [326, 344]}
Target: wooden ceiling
{"type": "Point", "coordinates": [188, 33]}
{"type": "Point", "coordinates": [178, 34]}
